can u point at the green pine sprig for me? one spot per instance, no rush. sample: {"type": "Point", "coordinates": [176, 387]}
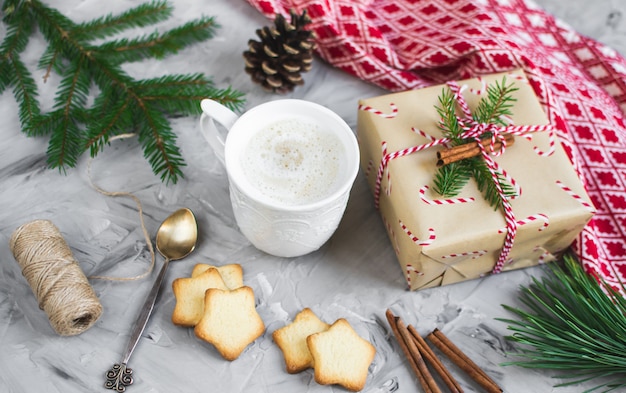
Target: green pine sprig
{"type": "Point", "coordinates": [450, 179]}
{"type": "Point", "coordinates": [122, 104]}
{"type": "Point", "coordinates": [447, 111]}
{"type": "Point", "coordinates": [497, 105]}
{"type": "Point", "coordinates": [485, 182]}
{"type": "Point", "coordinates": [572, 323]}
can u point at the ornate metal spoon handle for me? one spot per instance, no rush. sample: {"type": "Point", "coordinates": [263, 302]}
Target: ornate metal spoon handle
{"type": "Point", "coordinates": [120, 376]}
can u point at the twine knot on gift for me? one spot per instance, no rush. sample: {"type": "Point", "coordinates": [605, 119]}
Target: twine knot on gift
{"type": "Point", "coordinates": [491, 140]}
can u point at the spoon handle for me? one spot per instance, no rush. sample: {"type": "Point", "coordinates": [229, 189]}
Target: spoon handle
{"type": "Point", "coordinates": [120, 376]}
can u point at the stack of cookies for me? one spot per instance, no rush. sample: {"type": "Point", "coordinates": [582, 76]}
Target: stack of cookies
{"type": "Point", "coordinates": [220, 308]}
{"type": "Point", "coordinates": [336, 352]}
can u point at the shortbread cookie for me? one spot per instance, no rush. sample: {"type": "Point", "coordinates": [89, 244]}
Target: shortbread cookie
{"type": "Point", "coordinates": [230, 321]}
{"type": "Point", "coordinates": [189, 294]}
{"type": "Point", "coordinates": [232, 274]}
{"type": "Point", "coordinates": [291, 339]}
{"type": "Point", "coordinates": [341, 356]}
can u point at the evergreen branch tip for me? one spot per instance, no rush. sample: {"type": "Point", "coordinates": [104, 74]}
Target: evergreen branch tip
{"type": "Point", "coordinates": [77, 124]}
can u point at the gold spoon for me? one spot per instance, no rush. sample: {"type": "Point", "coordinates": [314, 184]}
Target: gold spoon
{"type": "Point", "coordinates": [175, 239]}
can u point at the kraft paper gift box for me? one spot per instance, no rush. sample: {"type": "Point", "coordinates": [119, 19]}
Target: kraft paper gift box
{"type": "Point", "coordinates": [442, 241]}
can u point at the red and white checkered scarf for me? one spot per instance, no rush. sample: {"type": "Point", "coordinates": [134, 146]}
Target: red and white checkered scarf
{"type": "Point", "coordinates": [581, 84]}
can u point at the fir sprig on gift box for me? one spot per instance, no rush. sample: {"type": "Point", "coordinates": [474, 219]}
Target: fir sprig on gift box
{"type": "Point", "coordinates": [492, 109]}
{"type": "Point", "coordinates": [572, 323]}
{"type": "Point", "coordinates": [122, 104]}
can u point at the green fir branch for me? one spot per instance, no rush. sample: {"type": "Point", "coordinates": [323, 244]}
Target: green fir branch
{"type": "Point", "coordinates": [26, 94]}
{"type": "Point", "coordinates": [195, 31]}
{"type": "Point", "coordinates": [4, 76]}
{"type": "Point", "coordinates": [14, 72]}
{"type": "Point", "coordinates": [12, 10]}
{"type": "Point", "coordinates": [450, 179]}
{"type": "Point", "coordinates": [453, 177]}
{"type": "Point", "coordinates": [65, 146]}
{"type": "Point", "coordinates": [71, 97]}
{"type": "Point", "coordinates": [114, 121]}
{"type": "Point", "coordinates": [51, 60]}
{"type": "Point", "coordinates": [122, 104]}
{"type": "Point", "coordinates": [572, 323]}
{"type": "Point", "coordinates": [191, 88]}
{"type": "Point", "coordinates": [497, 104]}
{"type": "Point", "coordinates": [446, 109]}
{"type": "Point", "coordinates": [55, 26]}
{"type": "Point", "coordinates": [159, 143]}
{"type": "Point", "coordinates": [486, 183]}
{"type": "Point", "coordinates": [19, 28]}
{"type": "Point", "coordinates": [73, 91]}
{"type": "Point", "coordinates": [141, 16]}
{"type": "Point", "coordinates": [157, 45]}
{"type": "Point", "coordinates": [228, 97]}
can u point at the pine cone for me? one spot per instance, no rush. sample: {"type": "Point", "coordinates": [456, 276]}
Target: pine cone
{"type": "Point", "coordinates": [284, 52]}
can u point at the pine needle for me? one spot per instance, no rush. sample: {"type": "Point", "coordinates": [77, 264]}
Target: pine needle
{"type": "Point", "coordinates": [572, 323]}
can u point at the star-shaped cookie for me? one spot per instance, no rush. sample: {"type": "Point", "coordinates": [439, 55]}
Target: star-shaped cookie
{"type": "Point", "coordinates": [230, 321]}
{"type": "Point", "coordinates": [341, 356]}
{"type": "Point", "coordinates": [291, 339]}
{"type": "Point", "coordinates": [189, 293]}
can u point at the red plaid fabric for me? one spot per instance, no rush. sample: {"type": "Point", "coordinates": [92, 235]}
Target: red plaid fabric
{"type": "Point", "coordinates": [581, 84]}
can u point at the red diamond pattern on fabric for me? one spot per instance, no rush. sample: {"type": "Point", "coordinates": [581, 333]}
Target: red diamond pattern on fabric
{"type": "Point", "coordinates": [581, 84]}
{"type": "Point", "coordinates": [605, 225]}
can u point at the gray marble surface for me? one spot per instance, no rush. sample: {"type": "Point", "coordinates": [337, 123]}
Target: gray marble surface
{"type": "Point", "coordinates": [354, 276]}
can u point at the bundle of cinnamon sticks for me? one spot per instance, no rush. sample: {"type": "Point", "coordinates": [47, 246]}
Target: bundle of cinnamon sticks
{"type": "Point", "coordinates": [471, 149]}
{"type": "Point", "coordinates": [418, 353]}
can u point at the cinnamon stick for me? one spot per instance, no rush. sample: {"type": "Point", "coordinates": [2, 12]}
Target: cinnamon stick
{"type": "Point", "coordinates": [462, 361]}
{"type": "Point", "coordinates": [412, 354]}
{"type": "Point", "coordinates": [434, 361]}
{"type": "Point", "coordinates": [467, 150]}
{"type": "Point", "coordinates": [419, 360]}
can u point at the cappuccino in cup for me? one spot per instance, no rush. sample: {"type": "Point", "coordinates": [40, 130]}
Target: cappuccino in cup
{"type": "Point", "coordinates": [293, 161]}
{"type": "Point", "coordinates": [290, 165]}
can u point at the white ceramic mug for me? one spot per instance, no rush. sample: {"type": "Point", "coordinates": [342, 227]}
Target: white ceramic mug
{"type": "Point", "coordinates": [273, 223]}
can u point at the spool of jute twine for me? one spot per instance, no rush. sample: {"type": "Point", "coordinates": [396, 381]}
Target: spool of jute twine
{"type": "Point", "coordinates": [56, 279]}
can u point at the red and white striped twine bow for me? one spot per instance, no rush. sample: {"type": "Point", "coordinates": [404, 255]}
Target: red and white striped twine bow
{"type": "Point", "coordinates": [474, 130]}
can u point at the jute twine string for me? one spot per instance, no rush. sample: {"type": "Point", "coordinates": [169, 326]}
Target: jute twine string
{"type": "Point", "coordinates": [140, 211]}
{"type": "Point", "coordinates": [56, 279]}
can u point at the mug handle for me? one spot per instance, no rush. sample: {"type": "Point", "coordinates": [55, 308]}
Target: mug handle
{"type": "Point", "coordinates": [214, 111]}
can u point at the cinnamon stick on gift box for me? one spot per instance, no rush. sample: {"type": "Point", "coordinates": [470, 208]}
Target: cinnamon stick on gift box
{"type": "Point", "coordinates": [468, 150]}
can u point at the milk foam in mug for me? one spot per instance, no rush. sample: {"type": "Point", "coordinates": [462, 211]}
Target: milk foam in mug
{"type": "Point", "coordinates": [291, 165]}
{"type": "Point", "coordinates": [293, 162]}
